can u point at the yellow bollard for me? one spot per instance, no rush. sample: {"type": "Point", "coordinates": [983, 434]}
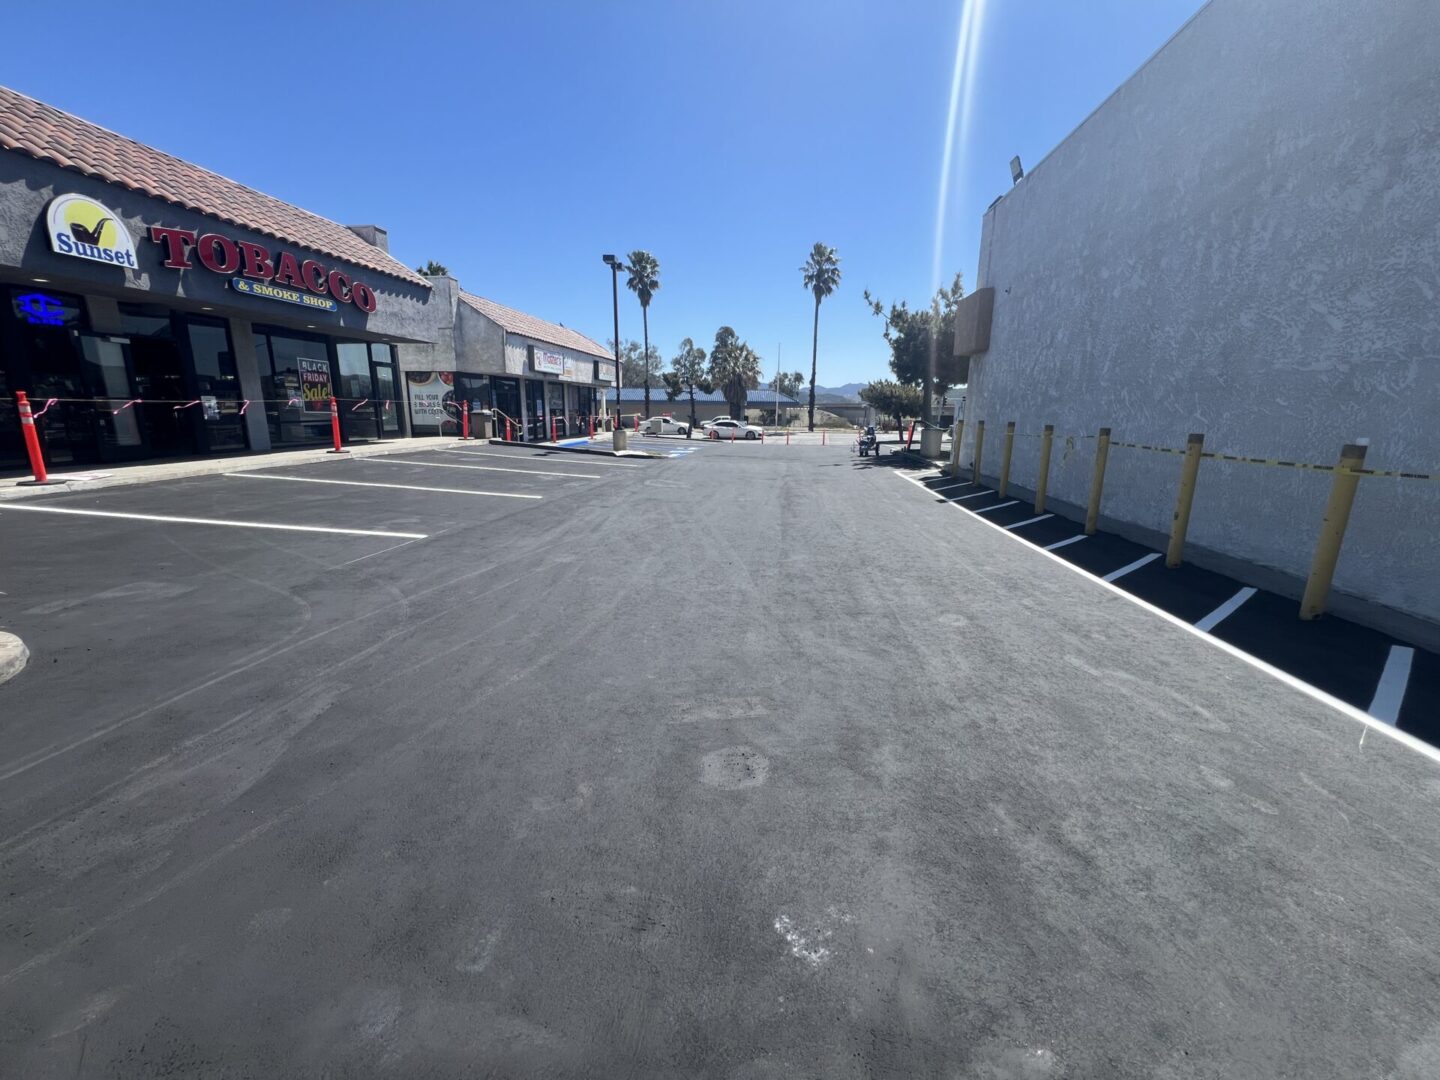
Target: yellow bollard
{"type": "Point", "coordinates": [1005, 459]}
{"type": "Point", "coordinates": [979, 445]}
{"type": "Point", "coordinates": [1189, 470]}
{"type": "Point", "coordinates": [1332, 529]}
{"type": "Point", "coordinates": [1097, 482]}
{"type": "Point", "coordinates": [955, 448]}
{"type": "Point", "coordinates": [1044, 481]}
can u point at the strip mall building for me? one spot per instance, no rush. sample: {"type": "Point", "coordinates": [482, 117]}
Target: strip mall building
{"type": "Point", "coordinates": [153, 309]}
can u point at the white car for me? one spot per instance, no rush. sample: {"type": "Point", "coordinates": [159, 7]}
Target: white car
{"type": "Point", "coordinates": [665, 425]}
{"type": "Point", "coordinates": [708, 424]}
{"type": "Point", "coordinates": [727, 429]}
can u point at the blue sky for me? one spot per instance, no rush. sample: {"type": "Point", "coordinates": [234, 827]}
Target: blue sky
{"type": "Point", "coordinates": [517, 143]}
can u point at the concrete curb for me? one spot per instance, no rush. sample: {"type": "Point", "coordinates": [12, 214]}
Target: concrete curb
{"type": "Point", "coordinates": [13, 655]}
{"type": "Point", "coordinates": [127, 475]}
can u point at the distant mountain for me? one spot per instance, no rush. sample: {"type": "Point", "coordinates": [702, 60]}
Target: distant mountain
{"type": "Point", "coordinates": [849, 392]}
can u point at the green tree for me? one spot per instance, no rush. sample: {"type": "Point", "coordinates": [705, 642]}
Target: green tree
{"type": "Point", "coordinates": [788, 383]}
{"type": "Point", "coordinates": [821, 274]}
{"type": "Point", "coordinates": [434, 269]}
{"type": "Point", "coordinates": [688, 373]}
{"type": "Point", "coordinates": [734, 369]}
{"type": "Point", "coordinates": [921, 343]}
{"type": "Point", "coordinates": [636, 365]}
{"type": "Point", "coordinates": [893, 399]}
{"type": "Point", "coordinates": [644, 282]}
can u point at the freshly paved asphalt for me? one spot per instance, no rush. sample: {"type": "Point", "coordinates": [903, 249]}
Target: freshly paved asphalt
{"type": "Point", "coordinates": [600, 785]}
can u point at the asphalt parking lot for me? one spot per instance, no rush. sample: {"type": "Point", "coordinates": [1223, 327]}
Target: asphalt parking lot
{"type": "Point", "coordinates": [755, 762]}
{"type": "Point", "coordinates": [1391, 680]}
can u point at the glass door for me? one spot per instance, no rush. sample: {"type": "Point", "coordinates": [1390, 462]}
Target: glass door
{"type": "Point", "coordinates": [387, 405]}
{"type": "Point", "coordinates": [535, 411]}
{"type": "Point", "coordinates": [507, 407]}
{"type": "Point", "coordinates": [357, 391]}
{"type": "Point", "coordinates": [107, 372]}
{"type": "Point", "coordinates": [217, 384]}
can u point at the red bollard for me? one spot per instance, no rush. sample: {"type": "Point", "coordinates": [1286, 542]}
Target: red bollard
{"type": "Point", "coordinates": [465, 422]}
{"type": "Point", "coordinates": [552, 430]}
{"type": "Point", "coordinates": [732, 434]}
{"type": "Point", "coordinates": [592, 427]}
{"type": "Point", "coordinates": [910, 438]}
{"type": "Point", "coordinates": [335, 426]}
{"type": "Point", "coordinates": [32, 444]}
{"type": "Point", "coordinates": [507, 429]}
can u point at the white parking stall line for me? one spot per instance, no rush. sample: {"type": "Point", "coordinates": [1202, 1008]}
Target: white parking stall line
{"type": "Point", "coordinates": [1064, 543]}
{"type": "Point", "coordinates": [367, 484]}
{"type": "Point", "coordinates": [539, 461]}
{"type": "Point", "coordinates": [947, 487]}
{"type": "Point", "coordinates": [974, 495]}
{"type": "Point", "coordinates": [1390, 692]}
{"type": "Point", "coordinates": [1225, 610]}
{"type": "Point", "coordinates": [1130, 568]}
{"type": "Point", "coordinates": [484, 468]}
{"type": "Point", "coordinates": [997, 506]}
{"type": "Point", "coordinates": [1029, 521]}
{"type": "Point", "coordinates": [926, 475]}
{"type": "Point", "coordinates": [171, 520]}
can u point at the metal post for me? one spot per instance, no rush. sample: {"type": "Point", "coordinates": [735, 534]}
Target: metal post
{"type": "Point", "coordinates": [958, 437]}
{"type": "Point", "coordinates": [979, 447]}
{"type": "Point", "coordinates": [1043, 483]}
{"type": "Point", "coordinates": [1005, 459]}
{"type": "Point", "coordinates": [1189, 470]}
{"type": "Point", "coordinates": [619, 371]}
{"type": "Point", "coordinates": [1332, 529]}
{"type": "Point", "coordinates": [1097, 482]}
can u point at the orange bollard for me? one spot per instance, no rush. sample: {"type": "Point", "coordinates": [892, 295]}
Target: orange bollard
{"type": "Point", "coordinates": [552, 430]}
{"type": "Point", "coordinates": [32, 444]}
{"type": "Point", "coordinates": [910, 435]}
{"type": "Point", "coordinates": [335, 426]}
{"type": "Point", "coordinates": [507, 429]}
{"type": "Point", "coordinates": [465, 421]}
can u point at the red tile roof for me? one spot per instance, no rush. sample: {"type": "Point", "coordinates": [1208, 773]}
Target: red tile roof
{"type": "Point", "coordinates": [44, 132]}
{"type": "Point", "coordinates": [517, 322]}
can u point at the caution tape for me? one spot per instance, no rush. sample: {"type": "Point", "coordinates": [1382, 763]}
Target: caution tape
{"type": "Point", "coordinates": [1278, 463]}
{"type": "Point", "coordinates": [1281, 463]}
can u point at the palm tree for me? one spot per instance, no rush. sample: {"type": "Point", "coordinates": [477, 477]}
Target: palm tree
{"type": "Point", "coordinates": [822, 276]}
{"type": "Point", "coordinates": [644, 282]}
{"type": "Point", "coordinates": [734, 369]}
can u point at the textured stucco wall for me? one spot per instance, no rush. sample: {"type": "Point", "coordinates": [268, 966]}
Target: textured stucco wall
{"type": "Point", "coordinates": [1244, 241]}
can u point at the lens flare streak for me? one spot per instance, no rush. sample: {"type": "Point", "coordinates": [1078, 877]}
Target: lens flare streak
{"type": "Point", "coordinates": [957, 123]}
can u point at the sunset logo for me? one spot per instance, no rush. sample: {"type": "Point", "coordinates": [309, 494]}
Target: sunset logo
{"type": "Point", "coordinates": [87, 230]}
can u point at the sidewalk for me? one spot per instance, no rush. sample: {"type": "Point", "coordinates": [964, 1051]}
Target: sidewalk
{"type": "Point", "coordinates": [93, 477]}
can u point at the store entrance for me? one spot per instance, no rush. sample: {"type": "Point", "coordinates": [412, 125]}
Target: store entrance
{"type": "Point", "coordinates": [535, 411]}
{"type": "Point", "coordinates": [169, 424]}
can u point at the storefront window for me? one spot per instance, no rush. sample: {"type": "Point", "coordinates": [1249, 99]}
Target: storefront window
{"type": "Point", "coordinates": [40, 355]}
{"type": "Point", "coordinates": [507, 405]}
{"type": "Point", "coordinates": [295, 374]}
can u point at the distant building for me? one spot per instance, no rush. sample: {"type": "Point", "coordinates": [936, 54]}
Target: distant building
{"type": "Point", "coordinates": [760, 405]}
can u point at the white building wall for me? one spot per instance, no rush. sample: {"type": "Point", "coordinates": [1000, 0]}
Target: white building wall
{"type": "Point", "coordinates": [1244, 241]}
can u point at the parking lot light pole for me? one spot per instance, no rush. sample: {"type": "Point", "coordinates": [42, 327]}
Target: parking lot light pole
{"type": "Point", "coordinates": [615, 267]}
